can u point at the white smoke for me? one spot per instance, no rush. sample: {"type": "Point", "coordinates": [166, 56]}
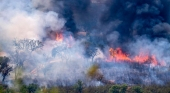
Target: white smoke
{"type": "Point", "coordinates": [20, 20]}
{"type": "Point", "coordinates": [53, 21]}
{"type": "Point", "coordinates": [131, 73]}
{"type": "Point", "coordinates": [42, 4]}
{"type": "Point", "coordinates": [158, 47]}
{"type": "Point", "coordinates": [65, 61]}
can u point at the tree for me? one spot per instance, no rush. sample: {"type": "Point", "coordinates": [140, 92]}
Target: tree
{"type": "Point", "coordinates": [4, 67]}
{"type": "Point", "coordinates": [24, 89]}
{"type": "Point", "coordinates": [137, 89]}
{"type": "Point", "coordinates": [79, 87]}
{"type": "Point", "coordinates": [123, 88]}
{"type": "Point", "coordinates": [2, 90]}
{"type": "Point", "coordinates": [91, 49]}
{"type": "Point", "coordinates": [32, 88]}
{"type": "Point", "coordinates": [118, 89]}
{"type": "Point", "coordinates": [22, 52]}
{"type": "Point", "coordinates": [114, 89]}
{"type": "Point", "coordinates": [28, 44]}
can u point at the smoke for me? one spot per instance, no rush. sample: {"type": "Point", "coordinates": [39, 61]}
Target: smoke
{"type": "Point", "coordinates": [72, 10]}
{"type": "Point", "coordinates": [136, 73]}
{"type": "Point", "coordinates": [42, 4]}
{"type": "Point", "coordinates": [26, 22]}
{"type": "Point", "coordinates": [135, 26]}
{"type": "Point", "coordinates": [56, 61]}
{"type": "Point", "coordinates": [141, 26]}
{"type": "Point", "coordinates": [137, 17]}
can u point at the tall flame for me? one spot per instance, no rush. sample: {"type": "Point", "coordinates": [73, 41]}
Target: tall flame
{"type": "Point", "coordinates": [118, 56]}
{"type": "Point", "coordinates": [59, 37]}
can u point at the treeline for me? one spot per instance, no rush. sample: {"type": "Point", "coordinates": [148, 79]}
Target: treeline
{"type": "Point", "coordinates": [20, 87]}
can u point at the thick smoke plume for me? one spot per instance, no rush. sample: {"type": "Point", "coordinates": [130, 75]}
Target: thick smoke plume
{"type": "Point", "coordinates": [76, 34]}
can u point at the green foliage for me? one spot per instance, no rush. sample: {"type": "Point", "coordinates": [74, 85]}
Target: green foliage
{"type": "Point", "coordinates": [5, 89]}
{"type": "Point", "coordinates": [97, 89]}
{"type": "Point", "coordinates": [10, 91]}
{"type": "Point", "coordinates": [54, 90]}
{"type": "Point", "coordinates": [18, 84]}
{"type": "Point", "coordinates": [118, 89]}
{"type": "Point", "coordinates": [123, 88]}
{"type": "Point", "coordinates": [2, 90]}
{"type": "Point", "coordinates": [24, 89]}
{"type": "Point", "coordinates": [79, 86]}
{"type": "Point", "coordinates": [114, 89]}
{"type": "Point", "coordinates": [137, 89]}
{"type": "Point", "coordinates": [32, 88]}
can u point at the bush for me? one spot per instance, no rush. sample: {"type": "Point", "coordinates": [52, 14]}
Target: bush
{"type": "Point", "coordinates": [53, 90]}
{"type": "Point", "coordinates": [123, 88]}
{"type": "Point", "coordinates": [137, 89]}
{"type": "Point", "coordinates": [24, 89]}
{"type": "Point", "coordinates": [79, 87]}
{"type": "Point", "coordinates": [118, 89]}
{"type": "Point", "coordinates": [114, 89]}
{"type": "Point", "coordinates": [32, 88]}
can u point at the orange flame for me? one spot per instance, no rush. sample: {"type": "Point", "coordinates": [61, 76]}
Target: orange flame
{"type": "Point", "coordinates": [141, 58]}
{"type": "Point", "coordinates": [118, 56]}
{"type": "Point", "coordinates": [59, 37]}
{"type": "Point", "coordinates": [153, 60]}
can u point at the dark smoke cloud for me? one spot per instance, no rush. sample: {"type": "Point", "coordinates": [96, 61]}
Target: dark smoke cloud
{"type": "Point", "coordinates": [69, 9]}
{"type": "Point", "coordinates": [138, 17]}
{"type": "Point", "coordinates": [130, 18]}
{"type": "Point", "coordinates": [129, 24]}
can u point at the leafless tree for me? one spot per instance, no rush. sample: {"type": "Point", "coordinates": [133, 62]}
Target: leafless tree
{"type": "Point", "coordinates": [28, 44]}
{"type": "Point", "coordinates": [23, 50]}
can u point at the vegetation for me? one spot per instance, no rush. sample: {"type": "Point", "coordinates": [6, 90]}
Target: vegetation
{"type": "Point", "coordinates": [79, 87]}
{"type": "Point", "coordinates": [4, 67]}
{"type": "Point", "coordinates": [118, 89]}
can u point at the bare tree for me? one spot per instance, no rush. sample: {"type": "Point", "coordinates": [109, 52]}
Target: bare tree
{"type": "Point", "coordinates": [23, 50]}
{"type": "Point", "coordinates": [28, 44]}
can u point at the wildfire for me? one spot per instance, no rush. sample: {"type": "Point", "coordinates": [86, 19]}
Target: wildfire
{"type": "Point", "coordinates": [117, 55]}
{"type": "Point", "coordinates": [59, 37]}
